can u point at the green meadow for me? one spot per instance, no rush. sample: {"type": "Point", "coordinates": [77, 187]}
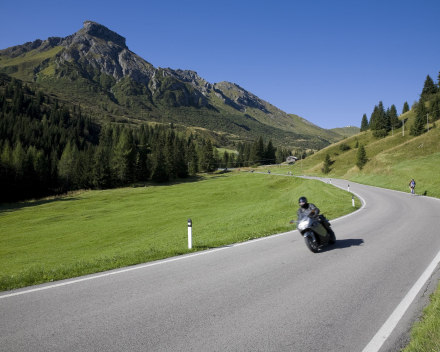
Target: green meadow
{"type": "Point", "coordinates": [93, 231]}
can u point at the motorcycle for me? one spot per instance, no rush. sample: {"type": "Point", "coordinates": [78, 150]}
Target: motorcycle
{"type": "Point", "coordinates": [314, 233]}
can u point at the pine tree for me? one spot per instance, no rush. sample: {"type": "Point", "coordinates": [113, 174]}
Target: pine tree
{"type": "Point", "coordinates": [270, 153]}
{"type": "Point", "coordinates": [379, 121]}
{"type": "Point", "coordinates": [429, 88]}
{"type": "Point", "coordinates": [142, 170]}
{"type": "Point", "coordinates": [216, 157]}
{"type": "Point", "coordinates": [260, 150]}
{"type": "Point", "coordinates": [102, 175]}
{"type": "Point", "coordinates": [394, 120]}
{"type": "Point", "coordinates": [421, 107]}
{"type": "Point", "coordinates": [231, 160]}
{"type": "Point", "coordinates": [208, 157]}
{"type": "Point", "coordinates": [254, 157]}
{"type": "Point", "coordinates": [158, 167]}
{"type": "Point", "coordinates": [169, 154]}
{"type": "Point", "coordinates": [66, 166]}
{"type": "Point", "coordinates": [434, 107]}
{"type": "Point", "coordinates": [180, 158]}
{"type": "Point", "coordinates": [327, 164]}
{"type": "Point", "coordinates": [374, 118]}
{"type": "Point", "coordinates": [405, 107]}
{"type": "Point", "coordinates": [225, 160]}
{"type": "Point", "coordinates": [6, 174]}
{"type": "Point", "coordinates": [41, 168]}
{"type": "Point", "coordinates": [53, 171]}
{"type": "Point", "coordinates": [124, 159]}
{"type": "Point", "coordinates": [193, 161]}
{"type": "Point", "coordinates": [364, 123]}
{"type": "Point", "coordinates": [84, 168]}
{"type": "Point", "coordinates": [279, 155]}
{"type": "Point", "coordinates": [382, 121]}
{"type": "Point", "coordinates": [361, 157]}
{"type": "Point", "coordinates": [418, 127]}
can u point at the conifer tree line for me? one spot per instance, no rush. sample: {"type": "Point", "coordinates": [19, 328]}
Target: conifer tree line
{"type": "Point", "coordinates": [381, 121]}
{"type": "Point", "coordinates": [427, 109]}
{"type": "Point", "coordinates": [47, 148]}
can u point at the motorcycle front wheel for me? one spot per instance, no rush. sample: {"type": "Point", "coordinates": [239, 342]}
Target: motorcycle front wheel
{"type": "Point", "coordinates": [313, 246]}
{"type": "Point", "coordinates": [332, 237]}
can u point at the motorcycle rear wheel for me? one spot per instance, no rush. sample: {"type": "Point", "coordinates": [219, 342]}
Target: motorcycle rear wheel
{"type": "Point", "coordinates": [313, 246]}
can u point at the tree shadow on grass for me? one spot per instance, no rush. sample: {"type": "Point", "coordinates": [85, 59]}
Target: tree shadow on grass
{"type": "Point", "coordinates": [341, 244]}
{"type": "Point", "coordinates": [190, 179]}
{"type": "Point", "coordinates": [9, 208]}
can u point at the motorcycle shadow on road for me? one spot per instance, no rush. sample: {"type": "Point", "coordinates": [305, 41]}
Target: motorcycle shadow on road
{"type": "Point", "coordinates": [341, 244]}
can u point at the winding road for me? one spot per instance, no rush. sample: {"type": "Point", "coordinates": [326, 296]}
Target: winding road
{"type": "Point", "coordinates": [270, 294]}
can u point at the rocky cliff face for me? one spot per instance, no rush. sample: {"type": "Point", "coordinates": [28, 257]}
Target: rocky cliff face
{"type": "Point", "coordinates": [98, 47]}
{"type": "Point", "coordinates": [93, 45]}
{"type": "Point", "coordinates": [103, 49]}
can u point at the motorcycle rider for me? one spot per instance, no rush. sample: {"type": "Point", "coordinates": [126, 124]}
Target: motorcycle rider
{"type": "Point", "coordinates": [314, 210]}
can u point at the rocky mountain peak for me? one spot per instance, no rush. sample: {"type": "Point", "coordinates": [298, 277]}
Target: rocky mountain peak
{"type": "Point", "coordinates": [98, 30]}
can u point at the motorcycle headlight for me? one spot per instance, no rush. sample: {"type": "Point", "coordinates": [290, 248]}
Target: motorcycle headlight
{"type": "Point", "coordinates": [302, 225]}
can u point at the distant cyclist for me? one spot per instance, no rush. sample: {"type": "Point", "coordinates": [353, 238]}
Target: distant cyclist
{"type": "Point", "coordinates": [412, 186]}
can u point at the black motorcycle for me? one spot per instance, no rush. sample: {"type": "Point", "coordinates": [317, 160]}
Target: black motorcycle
{"type": "Point", "coordinates": [314, 232]}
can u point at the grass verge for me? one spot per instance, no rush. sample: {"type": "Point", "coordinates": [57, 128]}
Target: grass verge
{"type": "Point", "coordinates": [425, 334]}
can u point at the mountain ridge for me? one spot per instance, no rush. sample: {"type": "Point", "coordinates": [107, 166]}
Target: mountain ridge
{"type": "Point", "coordinates": [96, 65]}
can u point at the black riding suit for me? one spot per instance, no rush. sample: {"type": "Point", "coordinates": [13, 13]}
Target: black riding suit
{"type": "Point", "coordinates": [309, 207]}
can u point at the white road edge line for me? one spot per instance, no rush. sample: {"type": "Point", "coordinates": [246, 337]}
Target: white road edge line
{"type": "Point", "coordinates": [137, 267]}
{"type": "Point", "coordinates": [387, 328]}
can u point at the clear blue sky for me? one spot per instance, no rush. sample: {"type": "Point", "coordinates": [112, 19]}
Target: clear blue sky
{"type": "Point", "coordinates": [327, 61]}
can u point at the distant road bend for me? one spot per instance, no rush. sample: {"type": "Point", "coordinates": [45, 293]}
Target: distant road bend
{"type": "Point", "coordinates": [270, 294]}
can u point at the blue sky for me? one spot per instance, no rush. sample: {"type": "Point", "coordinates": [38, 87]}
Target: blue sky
{"type": "Point", "coordinates": [327, 61]}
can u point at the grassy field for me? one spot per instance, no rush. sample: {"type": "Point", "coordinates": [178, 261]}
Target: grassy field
{"type": "Point", "coordinates": [94, 231]}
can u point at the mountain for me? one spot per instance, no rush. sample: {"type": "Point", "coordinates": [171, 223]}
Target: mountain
{"type": "Point", "coordinates": [95, 68]}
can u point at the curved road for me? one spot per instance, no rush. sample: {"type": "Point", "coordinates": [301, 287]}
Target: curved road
{"type": "Point", "coordinates": [271, 294]}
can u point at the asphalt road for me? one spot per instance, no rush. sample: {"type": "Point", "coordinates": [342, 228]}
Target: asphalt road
{"type": "Point", "coordinates": [271, 294]}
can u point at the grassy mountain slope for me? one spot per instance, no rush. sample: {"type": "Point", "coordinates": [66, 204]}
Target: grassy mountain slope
{"type": "Point", "coordinates": [346, 131]}
{"type": "Point", "coordinates": [392, 161]}
{"type": "Point", "coordinates": [94, 67]}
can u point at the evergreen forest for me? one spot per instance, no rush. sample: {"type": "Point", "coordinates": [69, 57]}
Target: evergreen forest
{"type": "Point", "coordinates": [49, 148]}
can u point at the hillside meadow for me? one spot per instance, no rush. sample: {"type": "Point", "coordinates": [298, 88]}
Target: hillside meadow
{"type": "Point", "coordinates": [392, 161]}
{"type": "Point", "coordinates": [93, 231]}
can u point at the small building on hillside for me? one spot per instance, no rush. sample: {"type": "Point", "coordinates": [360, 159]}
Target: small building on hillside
{"type": "Point", "coordinates": [291, 159]}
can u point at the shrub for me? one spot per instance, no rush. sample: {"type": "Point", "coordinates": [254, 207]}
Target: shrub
{"type": "Point", "coordinates": [344, 147]}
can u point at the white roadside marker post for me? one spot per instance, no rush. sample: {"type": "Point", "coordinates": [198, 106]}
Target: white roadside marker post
{"type": "Point", "coordinates": [189, 234]}
{"type": "Point", "coordinates": [348, 188]}
{"type": "Point", "coordinates": [352, 199]}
